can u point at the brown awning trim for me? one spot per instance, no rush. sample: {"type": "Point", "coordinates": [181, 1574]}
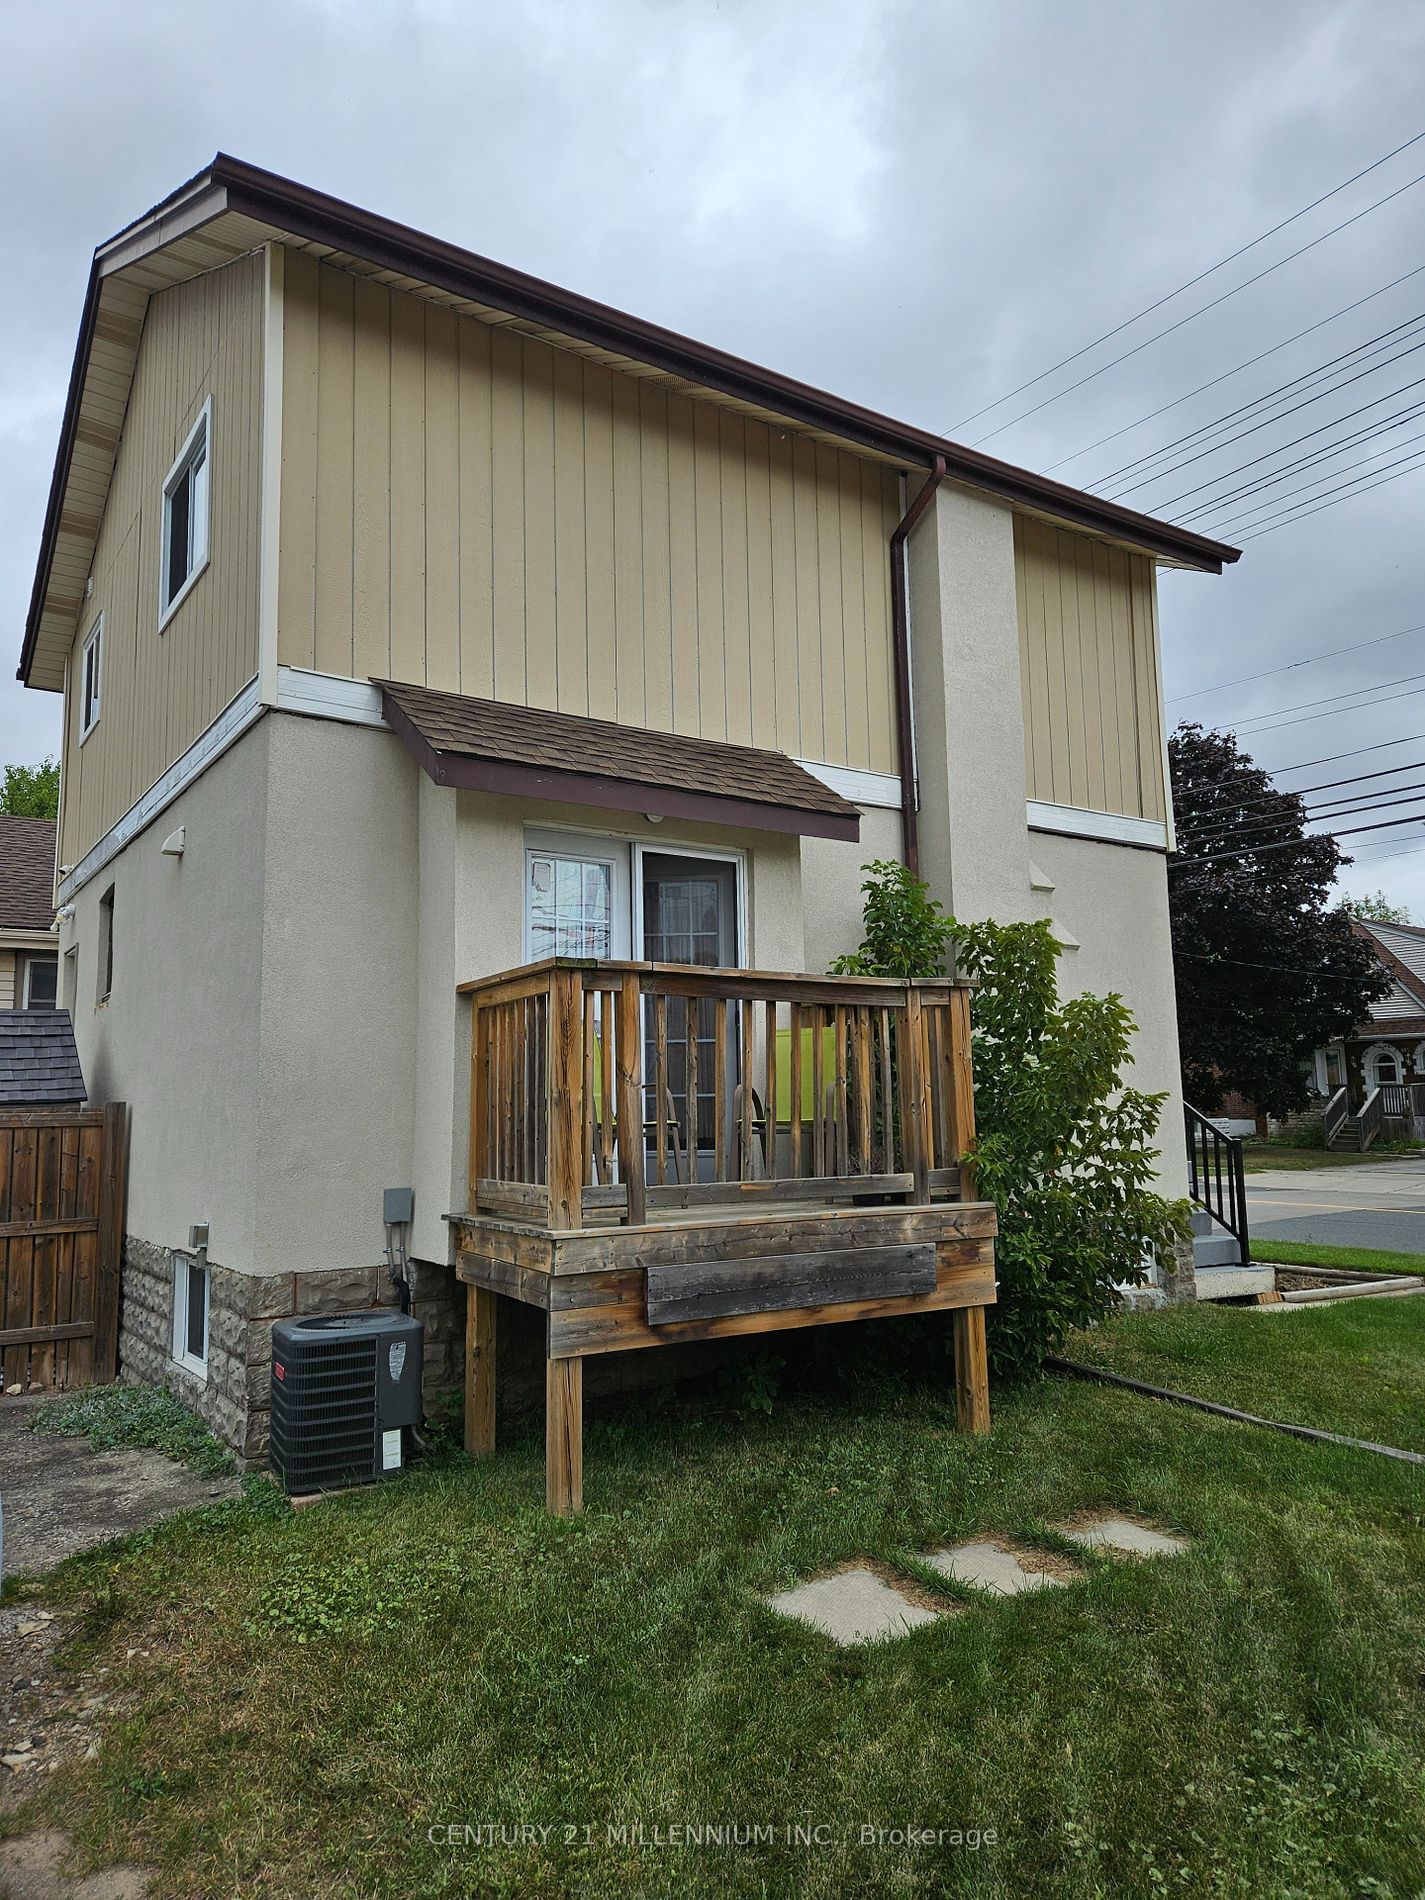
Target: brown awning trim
{"type": "Point", "coordinates": [489, 746]}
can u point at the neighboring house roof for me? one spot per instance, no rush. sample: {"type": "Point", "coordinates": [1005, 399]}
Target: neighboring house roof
{"type": "Point", "coordinates": [39, 1061]}
{"type": "Point", "coordinates": [231, 207]}
{"type": "Point", "coordinates": [491, 746]}
{"type": "Point", "coordinates": [26, 873]}
{"type": "Point", "coordinates": [1400, 949]}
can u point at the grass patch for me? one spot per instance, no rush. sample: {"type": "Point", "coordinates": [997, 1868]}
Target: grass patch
{"type": "Point", "coordinates": [1271, 1156]}
{"type": "Point", "coordinates": [325, 1694]}
{"type": "Point", "coordinates": [1356, 1366]}
{"type": "Point", "coordinates": [1315, 1253]}
{"type": "Point", "coordinates": [135, 1418]}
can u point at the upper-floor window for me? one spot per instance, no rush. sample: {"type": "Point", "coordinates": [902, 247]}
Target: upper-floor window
{"type": "Point", "coordinates": [185, 515]}
{"type": "Point", "coordinates": [106, 947]}
{"type": "Point", "coordinates": [91, 666]}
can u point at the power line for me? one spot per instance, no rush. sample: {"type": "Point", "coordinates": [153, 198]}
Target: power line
{"type": "Point", "coordinates": [1201, 692]}
{"type": "Point", "coordinates": [1356, 752]}
{"type": "Point", "coordinates": [1302, 705]}
{"type": "Point", "coordinates": [1245, 963]}
{"type": "Point", "coordinates": [1221, 264]}
{"type": "Point", "coordinates": [1363, 706]}
{"type": "Point", "coordinates": [1408, 413]}
{"type": "Point", "coordinates": [1286, 844]}
{"type": "Point", "coordinates": [1202, 833]}
{"type": "Point", "coordinates": [1313, 458]}
{"type": "Point", "coordinates": [1228, 374]}
{"type": "Point", "coordinates": [1158, 336]}
{"type": "Point", "coordinates": [1244, 518]}
{"type": "Point", "coordinates": [1410, 851]}
{"type": "Point", "coordinates": [1332, 365]}
{"type": "Point", "coordinates": [1272, 527]}
{"type": "Point", "coordinates": [1304, 791]}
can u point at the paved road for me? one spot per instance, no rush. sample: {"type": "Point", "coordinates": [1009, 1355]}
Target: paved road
{"type": "Point", "coordinates": [1370, 1205]}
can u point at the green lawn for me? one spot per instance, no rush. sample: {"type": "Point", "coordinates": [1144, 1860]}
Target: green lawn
{"type": "Point", "coordinates": [1314, 1253]}
{"type": "Point", "coordinates": [1257, 1156]}
{"type": "Point", "coordinates": [309, 1695]}
{"type": "Point", "coordinates": [1354, 1366]}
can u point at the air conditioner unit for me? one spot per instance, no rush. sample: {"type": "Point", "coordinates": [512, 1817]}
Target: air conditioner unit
{"type": "Point", "coordinates": [343, 1387]}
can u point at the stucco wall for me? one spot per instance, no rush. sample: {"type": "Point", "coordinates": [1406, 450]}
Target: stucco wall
{"type": "Point", "coordinates": [178, 1037]}
{"type": "Point", "coordinates": [832, 874]}
{"type": "Point", "coordinates": [337, 1051]}
{"type": "Point", "coordinates": [1114, 899]}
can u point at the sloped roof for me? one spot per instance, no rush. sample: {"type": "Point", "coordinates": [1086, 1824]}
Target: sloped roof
{"type": "Point", "coordinates": [488, 745]}
{"type": "Point", "coordinates": [232, 207]}
{"type": "Point", "coordinates": [26, 873]}
{"type": "Point", "coordinates": [39, 1061]}
{"type": "Point", "coordinates": [1400, 949]}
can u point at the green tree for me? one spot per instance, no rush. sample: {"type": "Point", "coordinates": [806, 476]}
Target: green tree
{"type": "Point", "coordinates": [31, 791]}
{"type": "Point", "coordinates": [1265, 971]}
{"type": "Point", "coordinates": [1377, 908]}
{"type": "Point", "coordinates": [1064, 1150]}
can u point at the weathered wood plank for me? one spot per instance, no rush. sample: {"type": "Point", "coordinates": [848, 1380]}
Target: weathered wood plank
{"type": "Point", "coordinates": [480, 1311]}
{"type": "Point", "coordinates": [564, 1436]}
{"type": "Point", "coordinates": [611, 1315]}
{"type": "Point", "coordinates": [777, 1282]}
{"type": "Point", "coordinates": [480, 1271]}
{"type": "Point", "coordinates": [789, 1231]}
{"type": "Point", "coordinates": [972, 1378]}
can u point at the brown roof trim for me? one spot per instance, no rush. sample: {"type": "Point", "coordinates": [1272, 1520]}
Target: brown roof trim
{"type": "Point", "coordinates": [316, 217]}
{"type": "Point", "coordinates": [822, 813]}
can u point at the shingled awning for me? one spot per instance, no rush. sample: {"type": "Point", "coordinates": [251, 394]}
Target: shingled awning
{"type": "Point", "coordinates": [490, 746]}
{"type": "Point", "coordinates": [39, 1062]}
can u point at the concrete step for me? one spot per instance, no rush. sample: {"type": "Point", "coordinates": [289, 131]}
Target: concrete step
{"type": "Point", "coordinates": [1233, 1282]}
{"type": "Point", "coordinates": [1202, 1221]}
{"type": "Point", "coordinates": [1215, 1250]}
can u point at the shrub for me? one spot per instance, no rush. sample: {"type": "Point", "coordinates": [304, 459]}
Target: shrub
{"type": "Point", "coordinates": [1064, 1149]}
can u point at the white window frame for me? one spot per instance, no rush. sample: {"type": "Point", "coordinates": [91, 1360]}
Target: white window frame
{"type": "Point", "coordinates": [1372, 1060]}
{"type": "Point", "coordinates": [30, 962]}
{"type": "Point", "coordinates": [183, 1263]}
{"type": "Point", "coordinates": [626, 853]}
{"type": "Point", "coordinates": [90, 703]}
{"type": "Point", "coordinates": [199, 522]}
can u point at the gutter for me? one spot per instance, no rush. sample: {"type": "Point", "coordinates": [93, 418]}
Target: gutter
{"type": "Point", "coordinates": [900, 644]}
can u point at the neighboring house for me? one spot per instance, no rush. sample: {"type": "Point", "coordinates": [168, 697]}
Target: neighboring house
{"type": "Point", "coordinates": [1374, 1079]}
{"type": "Point", "coordinates": [29, 956]}
{"type": "Point", "coordinates": [417, 619]}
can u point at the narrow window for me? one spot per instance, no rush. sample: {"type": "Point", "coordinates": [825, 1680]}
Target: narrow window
{"type": "Point", "coordinates": [41, 982]}
{"type": "Point", "coordinates": [91, 667]}
{"type": "Point", "coordinates": [190, 1312]}
{"type": "Point", "coordinates": [106, 945]}
{"type": "Point", "coordinates": [185, 517]}
{"type": "Point", "coordinates": [71, 977]}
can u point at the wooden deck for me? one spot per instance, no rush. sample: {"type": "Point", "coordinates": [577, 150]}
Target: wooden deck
{"type": "Point", "coordinates": [661, 1155]}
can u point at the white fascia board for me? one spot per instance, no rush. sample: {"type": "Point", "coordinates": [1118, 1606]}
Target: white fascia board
{"type": "Point", "coordinates": [230, 724]}
{"type": "Point", "coordinates": [1111, 827]}
{"type": "Point", "coordinates": [881, 789]}
{"type": "Point", "coordinates": [328, 696]}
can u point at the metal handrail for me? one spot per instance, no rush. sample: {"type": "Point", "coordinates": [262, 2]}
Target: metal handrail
{"type": "Point", "coordinates": [1217, 1177]}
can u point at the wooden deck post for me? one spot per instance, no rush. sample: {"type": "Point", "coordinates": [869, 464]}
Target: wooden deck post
{"type": "Point", "coordinates": [972, 1379]}
{"type": "Point", "coordinates": [630, 1114]}
{"type": "Point", "coordinates": [564, 1436]}
{"type": "Point", "coordinates": [566, 1099]}
{"type": "Point", "coordinates": [480, 1372]}
{"type": "Point", "coordinates": [962, 1090]}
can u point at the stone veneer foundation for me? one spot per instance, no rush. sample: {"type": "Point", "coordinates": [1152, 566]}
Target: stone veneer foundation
{"type": "Point", "coordinates": [236, 1397]}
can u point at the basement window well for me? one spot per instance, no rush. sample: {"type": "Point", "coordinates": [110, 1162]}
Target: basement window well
{"type": "Point", "coordinates": [190, 1313]}
{"type": "Point", "coordinates": [186, 495]}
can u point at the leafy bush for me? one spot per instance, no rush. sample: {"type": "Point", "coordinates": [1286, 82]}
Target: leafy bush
{"type": "Point", "coordinates": [135, 1418]}
{"type": "Point", "coordinates": [1064, 1150]}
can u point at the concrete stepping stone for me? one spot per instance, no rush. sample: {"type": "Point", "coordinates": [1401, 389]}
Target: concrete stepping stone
{"type": "Point", "coordinates": [989, 1567]}
{"type": "Point", "coordinates": [853, 1606]}
{"type": "Point", "coordinates": [1124, 1536]}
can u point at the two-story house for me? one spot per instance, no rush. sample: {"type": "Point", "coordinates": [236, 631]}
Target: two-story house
{"type": "Point", "coordinates": [418, 621]}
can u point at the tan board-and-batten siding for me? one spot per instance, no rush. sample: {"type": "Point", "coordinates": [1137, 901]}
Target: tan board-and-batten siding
{"type": "Point", "coordinates": [468, 508]}
{"type": "Point", "coordinates": [1088, 672]}
{"type": "Point", "coordinates": [159, 691]}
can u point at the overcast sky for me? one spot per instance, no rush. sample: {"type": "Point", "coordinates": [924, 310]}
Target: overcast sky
{"type": "Point", "coordinates": [916, 205]}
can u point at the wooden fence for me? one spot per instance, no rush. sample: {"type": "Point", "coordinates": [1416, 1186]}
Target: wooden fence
{"type": "Point", "coordinates": [62, 1174]}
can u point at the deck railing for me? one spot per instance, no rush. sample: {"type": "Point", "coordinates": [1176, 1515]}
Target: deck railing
{"type": "Point", "coordinates": [604, 1091]}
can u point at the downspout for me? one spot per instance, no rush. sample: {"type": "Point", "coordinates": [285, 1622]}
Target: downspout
{"type": "Point", "coordinates": [900, 642]}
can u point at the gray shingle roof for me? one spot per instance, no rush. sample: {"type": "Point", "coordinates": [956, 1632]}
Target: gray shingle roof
{"type": "Point", "coordinates": [26, 873]}
{"type": "Point", "coordinates": [39, 1061]}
